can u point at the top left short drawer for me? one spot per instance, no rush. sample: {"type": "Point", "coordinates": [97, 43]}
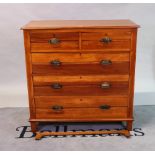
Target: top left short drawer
{"type": "Point", "coordinates": [44, 41]}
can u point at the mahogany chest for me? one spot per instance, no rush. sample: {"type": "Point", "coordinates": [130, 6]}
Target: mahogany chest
{"type": "Point", "coordinates": [80, 70]}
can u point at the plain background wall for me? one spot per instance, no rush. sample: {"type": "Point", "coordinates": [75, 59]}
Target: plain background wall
{"type": "Point", "coordinates": [13, 91]}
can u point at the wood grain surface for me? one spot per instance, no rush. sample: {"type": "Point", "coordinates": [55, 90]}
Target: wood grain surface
{"type": "Point", "coordinates": [80, 49]}
{"type": "Point", "coordinates": [69, 24]}
{"type": "Point", "coordinates": [116, 88]}
{"type": "Point", "coordinates": [82, 69]}
{"type": "Point", "coordinates": [82, 113]}
{"type": "Point", "coordinates": [74, 58]}
{"type": "Point", "coordinates": [80, 101]}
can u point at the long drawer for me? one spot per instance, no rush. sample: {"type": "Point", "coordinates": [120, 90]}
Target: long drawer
{"type": "Point", "coordinates": [82, 69]}
{"type": "Point", "coordinates": [80, 64]}
{"type": "Point", "coordinates": [78, 89]}
{"type": "Point", "coordinates": [48, 79]}
{"type": "Point", "coordinates": [72, 58]}
{"type": "Point", "coordinates": [47, 102]}
{"type": "Point", "coordinates": [81, 113]}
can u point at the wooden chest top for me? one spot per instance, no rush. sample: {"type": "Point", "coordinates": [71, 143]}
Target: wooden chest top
{"type": "Point", "coordinates": [58, 24]}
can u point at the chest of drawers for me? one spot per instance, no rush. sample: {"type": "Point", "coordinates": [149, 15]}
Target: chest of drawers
{"type": "Point", "coordinates": [80, 71]}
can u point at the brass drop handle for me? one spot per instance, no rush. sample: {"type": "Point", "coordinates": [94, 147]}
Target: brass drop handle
{"type": "Point", "coordinates": [54, 41]}
{"type": "Point", "coordinates": [57, 108]}
{"type": "Point", "coordinates": [105, 107]}
{"type": "Point", "coordinates": [56, 86]}
{"type": "Point", "coordinates": [106, 40]}
{"type": "Point", "coordinates": [56, 63]}
{"type": "Point", "coordinates": [105, 85]}
{"type": "Point", "coordinates": [106, 62]}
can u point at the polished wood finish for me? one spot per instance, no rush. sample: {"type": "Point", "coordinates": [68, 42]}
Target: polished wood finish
{"type": "Point", "coordinates": [68, 24]}
{"type": "Point", "coordinates": [82, 113]}
{"type": "Point", "coordinates": [46, 47]}
{"type": "Point", "coordinates": [127, 119]}
{"type": "Point", "coordinates": [115, 44]}
{"type": "Point", "coordinates": [115, 34]}
{"type": "Point", "coordinates": [80, 56]}
{"type": "Point", "coordinates": [76, 89]}
{"type": "Point", "coordinates": [84, 63]}
{"type": "Point", "coordinates": [80, 101]}
{"type": "Point", "coordinates": [44, 37]}
{"type": "Point", "coordinates": [121, 68]}
{"type": "Point", "coordinates": [40, 135]}
{"type": "Point", "coordinates": [48, 79]}
{"type": "Point", "coordinates": [29, 79]}
{"type": "Point", "coordinates": [132, 77]}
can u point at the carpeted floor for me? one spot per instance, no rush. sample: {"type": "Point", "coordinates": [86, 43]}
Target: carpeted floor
{"type": "Point", "coordinates": [15, 135]}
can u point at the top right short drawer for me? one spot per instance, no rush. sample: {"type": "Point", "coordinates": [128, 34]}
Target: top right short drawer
{"type": "Point", "coordinates": [112, 39]}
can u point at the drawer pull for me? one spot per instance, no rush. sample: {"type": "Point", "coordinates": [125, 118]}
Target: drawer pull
{"type": "Point", "coordinates": [106, 62]}
{"type": "Point", "coordinates": [106, 40]}
{"type": "Point", "coordinates": [56, 63]}
{"type": "Point", "coordinates": [105, 107]}
{"type": "Point", "coordinates": [57, 108]}
{"type": "Point", "coordinates": [54, 41]}
{"type": "Point", "coordinates": [56, 86]}
{"type": "Point", "coordinates": [105, 85]}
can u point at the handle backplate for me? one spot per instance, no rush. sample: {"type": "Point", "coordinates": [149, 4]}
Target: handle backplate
{"type": "Point", "coordinates": [105, 107]}
{"type": "Point", "coordinates": [105, 85]}
{"type": "Point", "coordinates": [106, 62]}
{"type": "Point", "coordinates": [57, 108]}
{"type": "Point", "coordinates": [106, 40]}
{"type": "Point", "coordinates": [54, 41]}
{"type": "Point", "coordinates": [56, 86]}
{"type": "Point", "coordinates": [55, 63]}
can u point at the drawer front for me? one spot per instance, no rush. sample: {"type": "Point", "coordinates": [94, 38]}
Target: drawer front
{"type": "Point", "coordinates": [117, 34]}
{"type": "Point", "coordinates": [46, 42]}
{"type": "Point", "coordinates": [78, 89]}
{"type": "Point", "coordinates": [47, 47]}
{"type": "Point", "coordinates": [114, 45]}
{"type": "Point", "coordinates": [80, 64]}
{"type": "Point", "coordinates": [44, 37]}
{"type": "Point", "coordinates": [72, 58]}
{"type": "Point", "coordinates": [115, 39]}
{"type": "Point", "coordinates": [81, 113]}
{"type": "Point", "coordinates": [79, 101]}
{"type": "Point", "coordinates": [47, 80]}
{"type": "Point", "coordinates": [82, 69]}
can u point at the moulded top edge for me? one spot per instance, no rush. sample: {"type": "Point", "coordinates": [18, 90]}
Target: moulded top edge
{"type": "Point", "coordinates": [65, 24]}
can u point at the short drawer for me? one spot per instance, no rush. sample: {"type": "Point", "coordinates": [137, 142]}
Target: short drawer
{"type": "Point", "coordinates": [48, 41]}
{"type": "Point", "coordinates": [45, 102]}
{"type": "Point", "coordinates": [82, 89]}
{"type": "Point", "coordinates": [110, 39]}
{"type": "Point", "coordinates": [81, 113]}
{"type": "Point", "coordinates": [118, 34]}
{"type": "Point", "coordinates": [113, 45]}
